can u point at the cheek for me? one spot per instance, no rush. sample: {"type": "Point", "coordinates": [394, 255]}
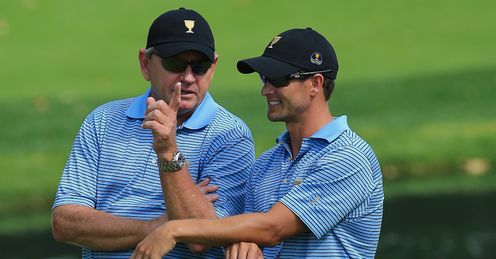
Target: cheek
{"type": "Point", "coordinates": [203, 85]}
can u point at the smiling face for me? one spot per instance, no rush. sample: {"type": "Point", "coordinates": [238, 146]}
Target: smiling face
{"type": "Point", "coordinates": [194, 87]}
{"type": "Point", "coordinates": [288, 103]}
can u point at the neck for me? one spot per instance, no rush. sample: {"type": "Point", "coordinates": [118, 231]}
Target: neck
{"type": "Point", "coordinates": [309, 123]}
{"type": "Point", "coordinates": [182, 117]}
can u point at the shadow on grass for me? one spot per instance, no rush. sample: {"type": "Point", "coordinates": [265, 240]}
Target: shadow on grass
{"type": "Point", "coordinates": [441, 226]}
{"type": "Point", "coordinates": [36, 245]}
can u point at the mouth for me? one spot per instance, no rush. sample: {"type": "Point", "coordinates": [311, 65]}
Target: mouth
{"type": "Point", "coordinates": [273, 102]}
{"type": "Point", "coordinates": [185, 92]}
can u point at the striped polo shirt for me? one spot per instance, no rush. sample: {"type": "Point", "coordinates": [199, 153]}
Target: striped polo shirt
{"type": "Point", "coordinates": [112, 166]}
{"type": "Point", "coordinates": [334, 185]}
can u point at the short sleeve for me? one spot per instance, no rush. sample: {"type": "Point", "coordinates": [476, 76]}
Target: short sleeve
{"type": "Point", "coordinates": [336, 186]}
{"type": "Point", "coordinates": [78, 182]}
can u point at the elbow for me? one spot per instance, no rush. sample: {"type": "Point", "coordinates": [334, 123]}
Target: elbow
{"type": "Point", "coordinates": [198, 249]}
{"type": "Point", "coordinates": [272, 235]}
{"type": "Point", "coordinates": [59, 232]}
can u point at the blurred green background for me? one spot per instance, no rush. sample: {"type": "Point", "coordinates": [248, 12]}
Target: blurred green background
{"type": "Point", "coordinates": [416, 79]}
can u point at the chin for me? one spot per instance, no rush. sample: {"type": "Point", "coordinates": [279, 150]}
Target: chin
{"type": "Point", "coordinates": [274, 118]}
{"type": "Point", "coordinates": [185, 105]}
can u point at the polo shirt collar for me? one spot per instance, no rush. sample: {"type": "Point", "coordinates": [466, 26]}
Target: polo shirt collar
{"type": "Point", "coordinates": [329, 132]}
{"type": "Point", "coordinates": [200, 118]}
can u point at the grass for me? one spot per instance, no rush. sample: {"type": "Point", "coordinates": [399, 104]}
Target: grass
{"type": "Point", "coordinates": [416, 80]}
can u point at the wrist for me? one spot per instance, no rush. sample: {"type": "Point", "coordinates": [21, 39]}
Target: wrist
{"type": "Point", "coordinates": [176, 162]}
{"type": "Point", "coordinates": [166, 156]}
{"type": "Point", "coordinates": [170, 231]}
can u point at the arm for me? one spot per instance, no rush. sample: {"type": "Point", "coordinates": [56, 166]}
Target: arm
{"type": "Point", "coordinates": [88, 227]}
{"type": "Point", "coordinates": [97, 230]}
{"type": "Point", "coordinates": [264, 229]}
{"type": "Point", "coordinates": [182, 198]}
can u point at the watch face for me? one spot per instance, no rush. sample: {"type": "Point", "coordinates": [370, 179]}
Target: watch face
{"type": "Point", "coordinates": [177, 163]}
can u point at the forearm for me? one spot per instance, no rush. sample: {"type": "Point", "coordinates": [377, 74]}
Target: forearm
{"type": "Point", "coordinates": [97, 230]}
{"type": "Point", "coordinates": [264, 229]}
{"type": "Point", "coordinates": [247, 228]}
{"type": "Point", "coordinates": [183, 198]}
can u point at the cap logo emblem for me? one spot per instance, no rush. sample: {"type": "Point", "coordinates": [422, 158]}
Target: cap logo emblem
{"type": "Point", "coordinates": [274, 41]}
{"type": "Point", "coordinates": [316, 58]}
{"type": "Point", "coordinates": [190, 24]}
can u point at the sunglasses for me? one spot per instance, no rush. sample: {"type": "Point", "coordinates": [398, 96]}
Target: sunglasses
{"type": "Point", "coordinates": [178, 65]}
{"type": "Point", "coordinates": [283, 81]}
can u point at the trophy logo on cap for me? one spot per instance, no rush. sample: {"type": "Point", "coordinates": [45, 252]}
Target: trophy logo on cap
{"type": "Point", "coordinates": [190, 24]}
{"type": "Point", "coordinates": [274, 41]}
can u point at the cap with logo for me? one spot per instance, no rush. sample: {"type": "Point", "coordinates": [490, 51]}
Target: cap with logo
{"type": "Point", "coordinates": [180, 30]}
{"type": "Point", "coordinates": [292, 51]}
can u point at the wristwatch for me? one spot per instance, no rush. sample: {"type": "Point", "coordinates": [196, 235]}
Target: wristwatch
{"type": "Point", "coordinates": [177, 163]}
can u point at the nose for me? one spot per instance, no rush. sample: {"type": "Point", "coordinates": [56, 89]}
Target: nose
{"type": "Point", "coordinates": [188, 75]}
{"type": "Point", "coordinates": [267, 89]}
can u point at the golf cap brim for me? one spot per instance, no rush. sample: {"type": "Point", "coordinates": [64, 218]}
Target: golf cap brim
{"type": "Point", "coordinates": [266, 66]}
{"type": "Point", "coordinates": [170, 49]}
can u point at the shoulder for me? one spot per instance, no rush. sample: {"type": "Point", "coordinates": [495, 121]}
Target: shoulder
{"type": "Point", "coordinates": [227, 123]}
{"type": "Point", "coordinates": [111, 111]}
{"type": "Point", "coordinates": [347, 154]}
{"type": "Point", "coordinates": [113, 107]}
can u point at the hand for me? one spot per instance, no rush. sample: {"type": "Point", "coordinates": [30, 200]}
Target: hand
{"type": "Point", "coordinates": [161, 118]}
{"type": "Point", "coordinates": [208, 189]}
{"type": "Point", "coordinates": [155, 245]}
{"type": "Point", "coordinates": [243, 250]}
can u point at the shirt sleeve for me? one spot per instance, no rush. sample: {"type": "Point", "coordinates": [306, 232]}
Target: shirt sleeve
{"type": "Point", "coordinates": [229, 163]}
{"type": "Point", "coordinates": [250, 191]}
{"type": "Point", "coordinates": [336, 186]}
{"type": "Point", "coordinates": [78, 182]}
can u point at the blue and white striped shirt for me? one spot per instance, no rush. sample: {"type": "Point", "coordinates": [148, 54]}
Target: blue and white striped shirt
{"type": "Point", "coordinates": [334, 185]}
{"type": "Point", "coordinates": [112, 165]}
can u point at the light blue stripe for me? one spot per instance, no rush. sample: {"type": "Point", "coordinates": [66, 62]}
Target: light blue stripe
{"type": "Point", "coordinates": [112, 166]}
{"type": "Point", "coordinates": [340, 197]}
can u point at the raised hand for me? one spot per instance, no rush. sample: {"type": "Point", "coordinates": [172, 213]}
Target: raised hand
{"type": "Point", "coordinates": [161, 119]}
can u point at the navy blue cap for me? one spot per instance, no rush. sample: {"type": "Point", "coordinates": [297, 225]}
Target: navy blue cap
{"type": "Point", "coordinates": [180, 30]}
{"type": "Point", "coordinates": [292, 51]}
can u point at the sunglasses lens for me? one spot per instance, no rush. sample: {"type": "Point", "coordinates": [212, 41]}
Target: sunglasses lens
{"type": "Point", "coordinates": [177, 65]}
{"type": "Point", "coordinates": [277, 82]}
{"type": "Point", "coordinates": [174, 65]}
{"type": "Point", "coordinates": [200, 67]}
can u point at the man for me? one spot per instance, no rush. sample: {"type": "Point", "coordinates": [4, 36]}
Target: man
{"type": "Point", "coordinates": [111, 194]}
{"type": "Point", "coordinates": [318, 192]}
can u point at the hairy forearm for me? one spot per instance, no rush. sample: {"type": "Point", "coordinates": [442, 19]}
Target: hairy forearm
{"type": "Point", "coordinates": [97, 230]}
{"type": "Point", "coordinates": [263, 229]}
{"type": "Point", "coordinates": [255, 228]}
{"type": "Point", "coordinates": [183, 198]}
{"type": "Point", "coordinates": [184, 201]}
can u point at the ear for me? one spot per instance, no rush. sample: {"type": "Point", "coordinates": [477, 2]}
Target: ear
{"type": "Point", "coordinates": [317, 84]}
{"type": "Point", "coordinates": [144, 61]}
{"type": "Point", "coordinates": [214, 65]}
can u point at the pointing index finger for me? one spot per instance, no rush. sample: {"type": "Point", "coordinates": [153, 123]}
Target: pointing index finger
{"type": "Point", "coordinates": [176, 97]}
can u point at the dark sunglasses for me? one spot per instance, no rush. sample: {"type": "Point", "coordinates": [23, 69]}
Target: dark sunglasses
{"type": "Point", "coordinates": [178, 65]}
{"type": "Point", "coordinates": [283, 81]}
